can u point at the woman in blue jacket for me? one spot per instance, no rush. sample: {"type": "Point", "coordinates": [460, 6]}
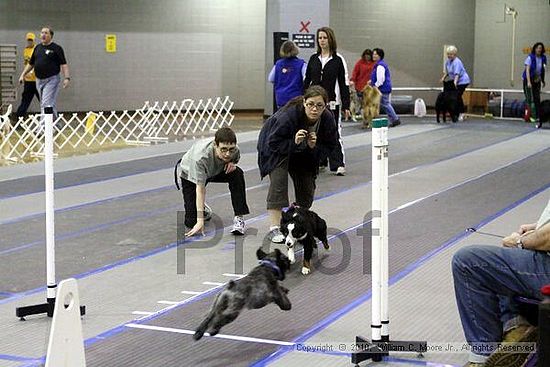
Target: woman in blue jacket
{"type": "Point", "coordinates": [291, 142]}
{"type": "Point", "coordinates": [381, 79]}
{"type": "Point", "coordinates": [533, 77]}
{"type": "Point", "coordinates": [287, 74]}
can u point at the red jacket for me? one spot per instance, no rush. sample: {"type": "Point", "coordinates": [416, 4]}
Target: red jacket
{"type": "Point", "coordinates": [361, 73]}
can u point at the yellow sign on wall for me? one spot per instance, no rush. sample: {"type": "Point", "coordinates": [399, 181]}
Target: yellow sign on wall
{"type": "Point", "coordinates": [110, 43]}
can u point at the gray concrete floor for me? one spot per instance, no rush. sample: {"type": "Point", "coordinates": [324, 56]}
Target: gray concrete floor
{"type": "Point", "coordinates": [117, 236]}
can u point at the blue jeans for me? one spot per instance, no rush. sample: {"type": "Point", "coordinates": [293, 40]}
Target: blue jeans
{"type": "Point", "coordinates": [48, 89]}
{"type": "Point", "coordinates": [485, 278]}
{"type": "Point", "coordinates": [385, 103]}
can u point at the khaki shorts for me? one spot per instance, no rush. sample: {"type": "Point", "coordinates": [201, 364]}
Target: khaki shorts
{"type": "Point", "coordinates": [304, 187]}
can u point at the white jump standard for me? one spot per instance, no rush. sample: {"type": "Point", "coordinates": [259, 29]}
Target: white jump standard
{"type": "Point", "coordinates": [380, 343]}
{"type": "Point", "coordinates": [51, 285]}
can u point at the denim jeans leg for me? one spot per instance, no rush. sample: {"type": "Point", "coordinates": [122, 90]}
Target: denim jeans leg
{"type": "Point", "coordinates": [386, 105]}
{"type": "Point", "coordinates": [49, 90]}
{"type": "Point", "coordinates": [483, 275]}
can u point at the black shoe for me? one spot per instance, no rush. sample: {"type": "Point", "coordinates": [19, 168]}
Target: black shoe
{"type": "Point", "coordinates": [395, 123]}
{"type": "Point", "coordinates": [538, 125]}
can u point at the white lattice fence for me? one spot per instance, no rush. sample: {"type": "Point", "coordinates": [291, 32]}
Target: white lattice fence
{"type": "Point", "coordinates": [158, 122]}
{"type": "Point", "coordinates": [187, 117]}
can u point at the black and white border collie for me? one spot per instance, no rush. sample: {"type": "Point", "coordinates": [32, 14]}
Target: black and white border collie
{"type": "Point", "coordinates": [300, 225]}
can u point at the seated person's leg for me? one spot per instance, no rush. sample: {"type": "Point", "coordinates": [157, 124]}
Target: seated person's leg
{"type": "Point", "coordinates": [482, 274]}
{"type": "Point", "coordinates": [514, 325]}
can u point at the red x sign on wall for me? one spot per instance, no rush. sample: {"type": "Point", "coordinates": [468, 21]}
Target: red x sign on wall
{"type": "Point", "coordinates": [304, 26]}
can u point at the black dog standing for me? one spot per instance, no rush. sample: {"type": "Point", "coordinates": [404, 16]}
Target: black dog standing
{"type": "Point", "coordinates": [256, 290]}
{"type": "Point", "coordinates": [447, 101]}
{"type": "Point", "coordinates": [303, 225]}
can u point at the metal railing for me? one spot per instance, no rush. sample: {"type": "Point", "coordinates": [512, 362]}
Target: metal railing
{"type": "Point", "coordinates": [497, 93]}
{"type": "Point", "coordinates": [23, 141]}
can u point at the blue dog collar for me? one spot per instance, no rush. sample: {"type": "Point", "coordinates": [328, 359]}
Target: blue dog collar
{"type": "Point", "coordinates": [273, 266]}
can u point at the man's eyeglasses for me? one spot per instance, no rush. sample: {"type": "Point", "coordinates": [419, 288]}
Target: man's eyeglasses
{"type": "Point", "coordinates": [227, 150]}
{"type": "Point", "coordinates": [319, 106]}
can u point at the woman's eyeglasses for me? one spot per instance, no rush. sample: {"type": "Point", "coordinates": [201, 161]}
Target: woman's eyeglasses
{"type": "Point", "coordinates": [312, 105]}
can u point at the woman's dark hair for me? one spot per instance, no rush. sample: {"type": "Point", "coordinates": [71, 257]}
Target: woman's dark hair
{"type": "Point", "coordinates": [367, 52]}
{"type": "Point", "coordinates": [225, 135]}
{"type": "Point", "coordinates": [331, 39]}
{"type": "Point", "coordinates": [288, 49]}
{"type": "Point", "coordinates": [313, 91]}
{"type": "Point", "coordinates": [537, 45]}
{"type": "Point", "coordinates": [380, 52]}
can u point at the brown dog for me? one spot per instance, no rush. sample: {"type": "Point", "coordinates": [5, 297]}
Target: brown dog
{"type": "Point", "coordinates": [371, 105]}
{"type": "Point", "coordinates": [354, 104]}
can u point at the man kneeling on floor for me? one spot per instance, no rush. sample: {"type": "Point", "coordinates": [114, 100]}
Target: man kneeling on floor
{"type": "Point", "coordinates": [486, 278]}
{"type": "Point", "coordinates": [212, 161]}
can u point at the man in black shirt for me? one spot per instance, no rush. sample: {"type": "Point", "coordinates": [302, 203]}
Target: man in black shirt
{"type": "Point", "coordinates": [47, 60]}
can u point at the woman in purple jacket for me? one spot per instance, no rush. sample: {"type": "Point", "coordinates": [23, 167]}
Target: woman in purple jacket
{"type": "Point", "coordinates": [455, 71]}
{"type": "Point", "coordinates": [287, 75]}
{"type": "Point", "coordinates": [533, 78]}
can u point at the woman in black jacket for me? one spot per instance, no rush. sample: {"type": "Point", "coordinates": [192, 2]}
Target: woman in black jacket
{"type": "Point", "coordinates": [328, 69]}
{"type": "Point", "coordinates": [291, 142]}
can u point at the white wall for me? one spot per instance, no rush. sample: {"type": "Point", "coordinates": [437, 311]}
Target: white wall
{"type": "Point", "coordinates": [176, 49]}
{"type": "Point", "coordinates": [493, 41]}
{"type": "Point", "coordinates": [167, 49]}
{"type": "Point", "coordinates": [411, 33]}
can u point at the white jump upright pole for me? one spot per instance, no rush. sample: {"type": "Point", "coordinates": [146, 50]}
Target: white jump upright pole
{"type": "Point", "coordinates": [380, 344]}
{"type": "Point", "coordinates": [50, 207]}
{"type": "Point", "coordinates": [379, 225]}
{"type": "Point", "coordinates": [51, 284]}
{"type": "Point", "coordinates": [374, 349]}
{"type": "Point", "coordinates": [384, 234]}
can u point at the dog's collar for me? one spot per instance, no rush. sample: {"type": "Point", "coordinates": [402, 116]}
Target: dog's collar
{"type": "Point", "coordinates": [274, 267]}
{"type": "Point", "coordinates": [301, 238]}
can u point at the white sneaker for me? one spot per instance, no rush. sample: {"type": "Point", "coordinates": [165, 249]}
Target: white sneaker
{"type": "Point", "coordinates": [461, 117]}
{"type": "Point", "coordinates": [239, 226]}
{"type": "Point", "coordinates": [341, 171]}
{"type": "Point", "coordinates": [275, 235]}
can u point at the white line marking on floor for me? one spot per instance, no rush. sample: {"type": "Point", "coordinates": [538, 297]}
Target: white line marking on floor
{"type": "Point", "coordinates": [220, 336]}
{"type": "Point", "coordinates": [168, 302]}
{"type": "Point", "coordinates": [233, 275]}
{"type": "Point", "coordinates": [191, 292]}
{"type": "Point", "coordinates": [164, 310]}
{"type": "Point", "coordinates": [213, 283]}
{"type": "Point", "coordinates": [142, 313]}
